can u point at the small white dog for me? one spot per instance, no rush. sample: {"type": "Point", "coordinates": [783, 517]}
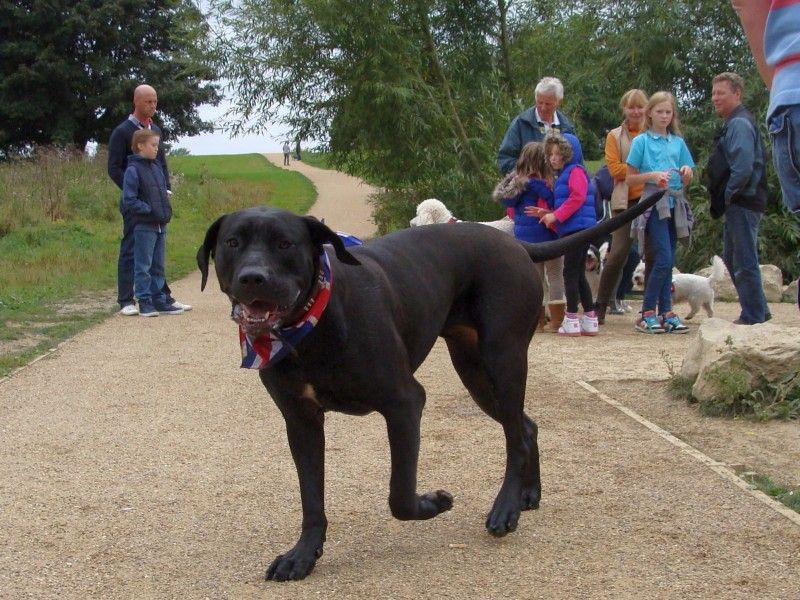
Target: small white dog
{"type": "Point", "coordinates": [697, 290]}
{"type": "Point", "coordinates": [433, 211]}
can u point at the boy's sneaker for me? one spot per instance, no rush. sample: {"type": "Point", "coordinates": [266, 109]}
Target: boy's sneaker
{"type": "Point", "coordinates": [169, 309]}
{"type": "Point", "coordinates": [182, 306]}
{"type": "Point", "coordinates": [146, 309]}
{"type": "Point", "coordinates": [570, 327]}
{"type": "Point", "coordinates": [589, 325]}
{"type": "Point", "coordinates": [129, 310]}
{"type": "Point", "coordinates": [649, 323]}
{"type": "Point", "coordinates": [672, 324]}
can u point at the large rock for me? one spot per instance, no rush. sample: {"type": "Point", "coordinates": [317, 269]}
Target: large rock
{"type": "Point", "coordinates": [771, 280]}
{"type": "Point", "coordinates": [790, 292]}
{"type": "Point", "coordinates": [764, 350]}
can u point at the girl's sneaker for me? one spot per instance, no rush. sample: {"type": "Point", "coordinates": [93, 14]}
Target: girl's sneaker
{"type": "Point", "coordinates": [649, 323]}
{"type": "Point", "coordinates": [672, 324]}
{"type": "Point", "coordinates": [589, 325]}
{"type": "Point", "coordinates": [570, 327]}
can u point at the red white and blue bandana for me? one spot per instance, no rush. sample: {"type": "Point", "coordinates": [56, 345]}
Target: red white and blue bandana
{"type": "Point", "coordinates": [269, 348]}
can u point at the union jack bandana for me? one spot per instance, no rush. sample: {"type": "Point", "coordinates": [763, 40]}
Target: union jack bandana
{"type": "Point", "coordinates": [269, 348]}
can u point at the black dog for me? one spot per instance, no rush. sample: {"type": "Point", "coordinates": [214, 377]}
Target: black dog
{"type": "Point", "coordinates": [389, 300]}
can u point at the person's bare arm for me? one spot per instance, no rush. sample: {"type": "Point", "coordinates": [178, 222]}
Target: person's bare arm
{"type": "Point", "coordinates": [753, 16]}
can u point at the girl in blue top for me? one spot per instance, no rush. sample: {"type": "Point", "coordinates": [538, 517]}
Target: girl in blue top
{"type": "Point", "coordinates": [528, 191]}
{"type": "Point", "coordinates": [659, 158]}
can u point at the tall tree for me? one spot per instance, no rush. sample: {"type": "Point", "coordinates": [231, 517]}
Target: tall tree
{"type": "Point", "coordinates": [68, 67]}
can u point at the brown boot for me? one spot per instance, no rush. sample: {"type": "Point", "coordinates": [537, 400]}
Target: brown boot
{"type": "Point", "coordinates": [542, 319]}
{"type": "Point", "coordinates": [557, 310]}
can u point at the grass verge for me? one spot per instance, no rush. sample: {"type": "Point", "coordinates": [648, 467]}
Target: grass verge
{"type": "Point", "coordinates": [60, 230]}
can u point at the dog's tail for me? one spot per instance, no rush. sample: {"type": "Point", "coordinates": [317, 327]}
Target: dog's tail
{"type": "Point", "coordinates": [547, 250]}
{"type": "Point", "coordinates": [717, 271]}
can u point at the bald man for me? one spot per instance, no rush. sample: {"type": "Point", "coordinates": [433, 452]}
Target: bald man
{"type": "Point", "coordinates": [145, 102]}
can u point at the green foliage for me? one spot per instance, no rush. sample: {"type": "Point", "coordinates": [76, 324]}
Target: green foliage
{"type": "Point", "coordinates": [68, 68]}
{"type": "Point", "coordinates": [59, 240]}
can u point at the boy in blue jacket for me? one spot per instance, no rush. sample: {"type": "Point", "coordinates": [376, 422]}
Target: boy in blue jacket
{"type": "Point", "coordinates": [146, 203]}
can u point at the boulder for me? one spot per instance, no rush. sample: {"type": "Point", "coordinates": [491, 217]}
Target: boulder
{"type": "Point", "coordinates": [771, 280]}
{"type": "Point", "coordinates": [790, 292]}
{"type": "Point", "coordinates": [765, 350]}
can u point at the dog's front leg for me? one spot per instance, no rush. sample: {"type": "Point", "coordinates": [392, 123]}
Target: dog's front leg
{"type": "Point", "coordinates": [402, 423]}
{"type": "Point", "coordinates": [306, 435]}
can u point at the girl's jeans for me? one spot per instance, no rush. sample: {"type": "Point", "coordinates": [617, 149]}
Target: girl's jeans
{"type": "Point", "coordinates": [663, 242]}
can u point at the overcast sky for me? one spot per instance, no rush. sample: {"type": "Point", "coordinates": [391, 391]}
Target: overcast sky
{"type": "Point", "coordinates": [222, 143]}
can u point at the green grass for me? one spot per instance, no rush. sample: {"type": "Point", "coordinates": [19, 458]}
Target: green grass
{"type": "Point", "coordinates": [316, 159]}
{"type": "Point", "coordinates": [787, 496]}
{"type": "Point", "coordinates": [60, 231]}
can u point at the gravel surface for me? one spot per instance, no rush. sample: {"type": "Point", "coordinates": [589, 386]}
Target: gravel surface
{"type": "Point", "coordinates": [138, 461]}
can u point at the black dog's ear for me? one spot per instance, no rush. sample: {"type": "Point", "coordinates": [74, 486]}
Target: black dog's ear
{"type": "Point", "coordinates": [322, 234]}
{"type": "Point", "coordinates": [207, 249]}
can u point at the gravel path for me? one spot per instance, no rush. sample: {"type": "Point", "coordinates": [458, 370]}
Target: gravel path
{"type": "Point", "coordinates": [138, 461]}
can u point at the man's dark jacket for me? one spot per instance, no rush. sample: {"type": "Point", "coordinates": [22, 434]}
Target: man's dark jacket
{"type": "Point", "coordinates": [736, 170]}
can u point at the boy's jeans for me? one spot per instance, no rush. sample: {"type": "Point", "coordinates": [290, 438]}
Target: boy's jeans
{"type": "Point", "coordinates": [784, 131]}
{"type": "Point", "coordinates": [740, 253]}
{"type": "Point", "coordinates": [663, 242]}
{"type": "Point", "coordinates": [148, 263]}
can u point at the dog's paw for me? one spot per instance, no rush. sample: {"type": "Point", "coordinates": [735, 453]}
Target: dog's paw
{"type": "Point", "coordinates": [502, 520]}
{"type": "Point", "coordinates": [530, 499]}
{"type": "Point", "coordinates": [292, 566]}
{"type": "Point", "coordinates": [439, 500]}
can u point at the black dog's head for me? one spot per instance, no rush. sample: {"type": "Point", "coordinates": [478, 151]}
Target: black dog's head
{"type": "Point", "coordinates": [267, 262]}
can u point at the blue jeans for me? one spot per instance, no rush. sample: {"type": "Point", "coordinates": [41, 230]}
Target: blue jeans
{"type": "Point", "coordinates": [740, 253]}
{"type": "Point", "coordinates": [148, 263]}
{"type": "Point", "coordinates": [125, 266]}
{"type": "Point", "coordinates": [663, 242]}
{"type": "Point", "coordinates": [784, 131]}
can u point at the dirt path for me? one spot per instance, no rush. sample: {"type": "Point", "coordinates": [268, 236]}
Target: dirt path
{"type": "Point", "coordinates": [138, 461]}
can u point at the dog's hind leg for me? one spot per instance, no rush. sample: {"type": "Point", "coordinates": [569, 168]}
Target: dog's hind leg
{"type": "Point", "coordinates": [520, 470]}
{"type": "Point", "coordinates": [403, 415]}
{"type": "Point", "coordinates": [709, 306]}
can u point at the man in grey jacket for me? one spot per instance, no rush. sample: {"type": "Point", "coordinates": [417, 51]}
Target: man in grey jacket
{"type": "Point", "coordinates": [532, 124]}
{"type": "Point", "coordinates": [739, 187]}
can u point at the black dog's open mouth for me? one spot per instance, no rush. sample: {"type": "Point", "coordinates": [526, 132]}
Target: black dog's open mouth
{"type": "Point", "coordinates": [259, 317]}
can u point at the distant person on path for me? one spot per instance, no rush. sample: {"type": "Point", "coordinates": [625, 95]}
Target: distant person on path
{"type": "Point", "coordinates": [528, 190]}
{"type": "Point", "coordinates": [534, 123]}
{"type": "Point", "coordinates": [145, 101]}
{"type": "Point", "coordinates": [145, 203]}
{"type": "Point", "coordinates": [660, 159]}
{"type": "Point", "coordinates": [618, 143]}
{"type": "Point", "coordinates": [286, 151]}
{"type": "Point", "coordinates": [738, 187]}
{"type": "Point", "coordinates": [773, 32]}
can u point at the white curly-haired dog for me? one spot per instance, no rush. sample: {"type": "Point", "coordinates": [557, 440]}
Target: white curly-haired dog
{"type": "Point", "coordinates": [432, 211]}
{"type": "Point", "coordinates": [697, 290]}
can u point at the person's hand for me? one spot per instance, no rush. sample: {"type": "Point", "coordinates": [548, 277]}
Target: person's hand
{"type": "Point", "coordinates": [662, 178]}
{"type": "Point", "coordinates": [686, 174]}
{"type": "Point", "coordinates": [533, 211]}
{"type": "Point", "coordinates": [547, 219]}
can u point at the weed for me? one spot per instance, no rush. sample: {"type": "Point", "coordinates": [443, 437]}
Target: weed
{"type": "Point", "coordinates": [787, 496]}
{"type": "Point", "coordinates": [680, 387]}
